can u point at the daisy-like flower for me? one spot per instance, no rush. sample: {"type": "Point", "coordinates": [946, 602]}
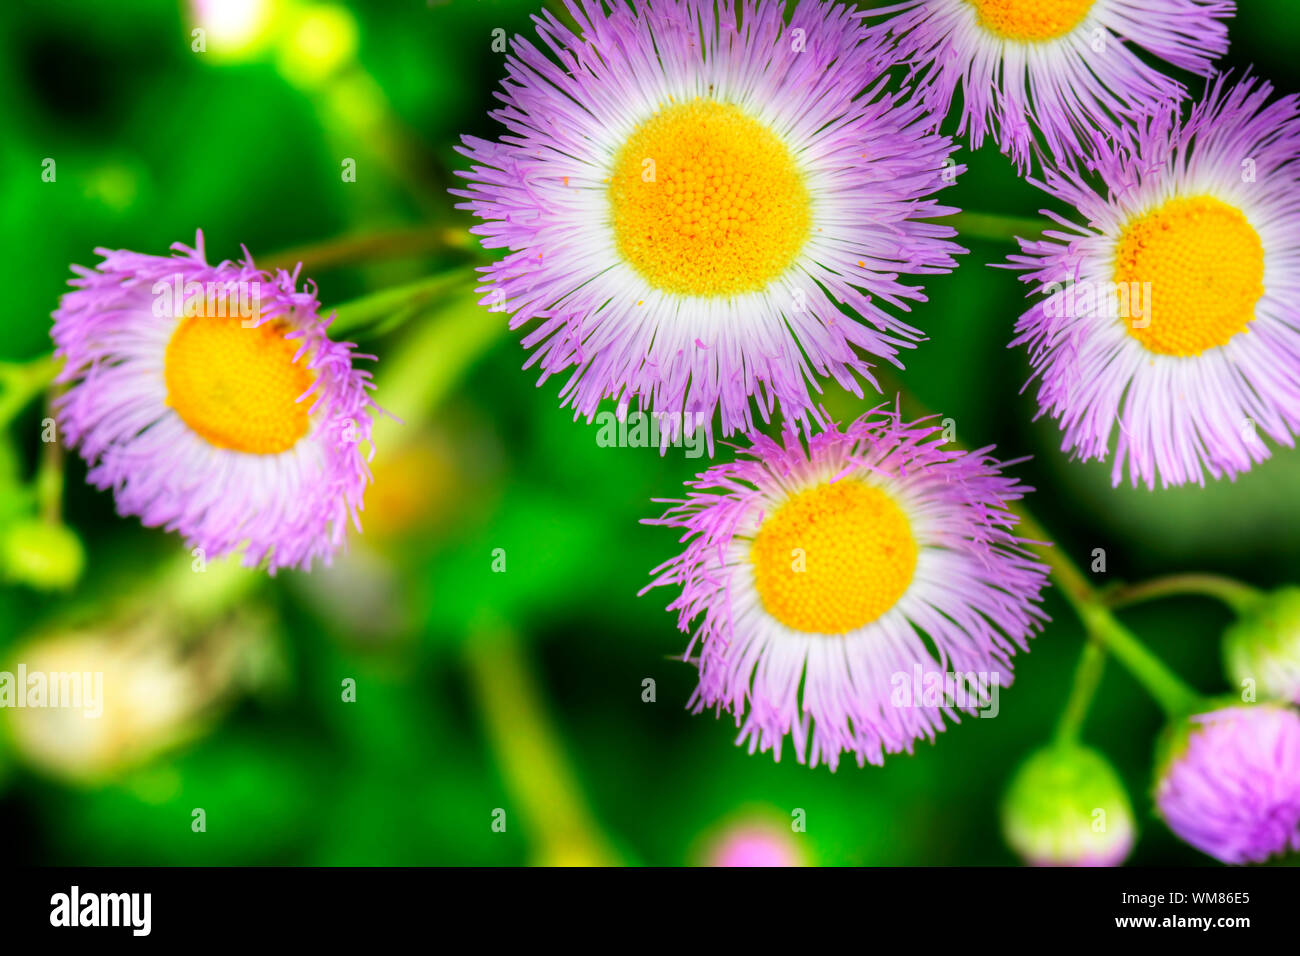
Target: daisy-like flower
{"type": "Point", "coordinates": [1062, 68]}
{"type": "Point", "coordinates": [211, 400]}
{"type": "Point", "coordinates": [699, 199]}
{"type": "Point", "coordinates": [1171, 317]}
{"type": "Point", "coordinates": [853, 592]}
{"type": "Point", "coordinates": [1230, 784]}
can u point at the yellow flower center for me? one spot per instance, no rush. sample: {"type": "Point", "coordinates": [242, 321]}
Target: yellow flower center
{"type": "Point", "coordinates": [1030, 21]}
{"type": "Point", "coordinates": [1205, 265]}
{"type": "Point", "coordinates": [833, 558]}
{"type": "Point", "coordinates": [706, 201]}
{"type": "Point", "coordinates": [237, 387]}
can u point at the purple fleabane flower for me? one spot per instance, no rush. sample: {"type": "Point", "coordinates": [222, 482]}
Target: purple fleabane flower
{"type": "Point", "coordinates": [1230, 785]}
{"type": "Point", "coordinates": [698, 199]}
{"type": "Point", "coordinates": [1172, 317]}
{"type": "Point", "coordinates": [821, 581]}
{"type": "Point", "coordinates": [1062, 68]}
{"type": "Point", "coordinates": [211, 400]}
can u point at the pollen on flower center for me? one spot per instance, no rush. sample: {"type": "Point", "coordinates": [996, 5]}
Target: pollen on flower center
{"type": "Point", "coordinates": [707, 201]}
{"type": "Point", "coordinates": [1030, 20]}
{"type": "Point", "coordinates": [1205, 265]}
{"type": "Point", "coordinates": [237, 387]}
{"type": "Point", "coordinates": [833, 558]}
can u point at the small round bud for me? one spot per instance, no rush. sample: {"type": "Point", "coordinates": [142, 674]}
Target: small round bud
{"type": "Point", "coordinates": [1066, 806]}
{"type": "Point", "coordinates": [1261, 650]}
{"type": "Point", "coordinates": [41, 555]}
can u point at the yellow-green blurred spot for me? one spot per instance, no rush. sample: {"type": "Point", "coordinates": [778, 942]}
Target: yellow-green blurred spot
{"type": "Point", "coordinates": [41, 555]}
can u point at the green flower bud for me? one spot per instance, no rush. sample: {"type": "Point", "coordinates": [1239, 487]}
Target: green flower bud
{"type": "Point", "coordinates": [1261, 650]}
{"type": "Point", "coordinates": [41, 555]}
{"type": "Point", "coordinates": [1066, 806]}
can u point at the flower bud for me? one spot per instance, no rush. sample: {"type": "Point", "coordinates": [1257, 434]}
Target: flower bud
{"type": "Point", "coordinates": [41, 555]}
{"type": "Point", "coordinates": [1066, 806]}
{"type": "Point", "coordinates": [1228, 782]}
{"type": "Point", "coordinates": [1261, 650]}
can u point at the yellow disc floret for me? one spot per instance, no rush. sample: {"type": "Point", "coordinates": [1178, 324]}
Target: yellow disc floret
{"type": "Point", "coordinates": [1198, 266]}
{"type": "Point", "coordinates": [238, 387]}
{"type": "Point", "coordinates": [707, 201]}
{"type": "Point", "coordinates": [833, 557]}
{"type": "Point", "coordinates": [1030, 21]}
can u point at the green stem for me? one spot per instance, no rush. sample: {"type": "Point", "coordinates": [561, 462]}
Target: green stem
{"type": "Point", "coordinates": [49, 476]}
{"type": "Point", "coordinates": [1175, 697]}
{"type": "Point", "coordinates": [1074, 586]}
{"type": "Point", "coordinates": [1237, 595]}
{"type": "Point", "coordinates": [410, 298]}
{"type": "Point", "coordinates": [1087, 676]}
{"type": "Point", "coordinates": [21, 382]}
{"type": "Point", "coordinates": [404, 242]}
{"type": "Point", "coordinates": [1171, 693]}
{"type": "Point", "coordinates": [528, 749]}
{"type": "Point", "coordinates": [433, 357]}
{"type": "Point", "coordinates": [982, 225]}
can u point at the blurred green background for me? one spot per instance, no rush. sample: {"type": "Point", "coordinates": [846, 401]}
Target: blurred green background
{"type": "Point", "coordinates": [478, 691]}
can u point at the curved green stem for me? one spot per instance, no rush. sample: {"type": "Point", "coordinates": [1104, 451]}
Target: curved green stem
{"type": "Point", "coordinates": [403, 299]}
{"type": "Point", "coordinates": [982, 225]}
{"type": "Point", "coordinates": [1236, 594]}
{"type": "Point", "coordinates": [1175, 697]}
{"type": "Point", "coordinates": [1087, 676]}
{"type": "Point", "coordinates": [402, 242]}
{"type": "Point", "coordinates": [536, 773]}
{"type": "Point", "coordinates": [1170, 692]}
{"type": "Point", "coordinates": [435, 353]}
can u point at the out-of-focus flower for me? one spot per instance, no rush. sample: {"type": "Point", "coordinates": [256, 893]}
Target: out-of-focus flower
{"type": "Point", "coordinates": [1263, 646]}
{"type": "Point", "coordinates": [1066, 806]}
{"type": "Point", "coordinates": [1228, 782]}
{"type": "Point", "coordinates": [1059, 67]}
{"type": "Point", "coordinates": [753, 843]}
{"type": "Point", "coordinates": [418, 484]}
{"type": "Point", "coordinates": [83, 706]}
{"type": "Point", "coordinates": [696, 199]}
{"type": "Point", "coordinates": [318, 40]}
{"type": "Point", "coordinates": [818, 579]}
{"type": "Point", "coordinates": [235, 29]}
{"type": "Point", "coordinates": [1171, 318]}
{"type": "Point", "coordinates": [212, 401]}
